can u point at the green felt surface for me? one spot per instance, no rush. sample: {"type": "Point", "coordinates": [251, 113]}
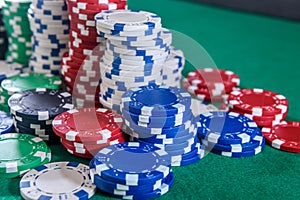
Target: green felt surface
{"type": "Point", "coordinates": [265, 52]}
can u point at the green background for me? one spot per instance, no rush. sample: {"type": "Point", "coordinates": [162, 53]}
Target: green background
{"type": "Point", "coordinates": [265, 53]}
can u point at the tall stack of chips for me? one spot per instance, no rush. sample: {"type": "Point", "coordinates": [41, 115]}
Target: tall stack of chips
{"type": "Point", "coordinates": [80, 66]}
{"type": "Point", "coordinates": [18, 31]}
{"type": "Point", "coordinates": [49, 24]}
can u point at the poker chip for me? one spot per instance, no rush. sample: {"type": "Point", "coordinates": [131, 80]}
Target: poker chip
{"type": "Point", "coordinates": [54, 180]}
{"type": "Point", "coordinates": [109, 163]}
{"type": "Point", "coordinates": [3, 37]}
{"type": "Point", "coordinates": [20, 153]}
{"type": "Point", "coordinates": [283, 136]}
{"type": "Point", "coordinates": [18, 31]}
{"type": "Point", "coordinates": [6, 123]}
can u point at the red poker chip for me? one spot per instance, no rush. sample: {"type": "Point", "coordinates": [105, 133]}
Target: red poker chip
{"type": "Point", "coordinates": [97, 1]}
{"type": "Point", "coordinates": [93, 72]}
{"type": "Point", "coordinates": [99, 124]}
{"type": "Point", "coordinates": [268, 123]}
{"type": "Point", "coordinates": [84, 31]}
{"type": "Point", "coordinates": [284, 136]}
{"type": "Point", "coordinates": [98, 7]}
{"type": "Point", "coordinates": [258, 102]}
{"type": "Point", "coordinates": [262, 118]}
{"type": "Point", "coordinates": [88, 50]}
{"type": "Point", "coordinates": [73, 152]}
{"type": "Point", "coordinates": [84, 38]}
{"type": "Point", "coordinates": [213, 78]}
{"type": "Point", "coordinates": [81, 103]}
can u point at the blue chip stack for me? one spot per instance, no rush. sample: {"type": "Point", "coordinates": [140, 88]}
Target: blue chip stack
{"type": "Point", "coordinates": [173, 67]}
{"type": "Point", "coordinates": [230, 134]}
{"type": "Point", "coordinates": [132, 170]}
{"type": "Point", "coordinates": [136, 49]}
{"type": "Point", "coordinates": [50, 26]}
{"type": "Point", "coordinates": [3, 36]}
{"type": "Point", "coordinates": [161, 116]}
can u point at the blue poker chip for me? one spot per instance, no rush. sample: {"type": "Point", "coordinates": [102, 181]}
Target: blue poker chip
{"type": "Point", "coordinates": [6, 122]}
{"type": "Point", "coordinates": [151, 163]}
{"type": "Point", "coordinates": [179, 152]}
{"type": "Point", "coordinates": [154, 100]}
{"type": "Point", "coordinates": [226, 128]}
{"type": "Point", "coordinates": [157, 122]}
{"type": "Point", "coordinates": [187, 161]}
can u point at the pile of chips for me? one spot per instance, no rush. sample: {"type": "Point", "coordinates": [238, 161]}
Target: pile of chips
{"type": "Point", "coordinates": [49, 24]}
{"type": "Point", "coordinates": [34, 110]}
{"type": "Point", "coordinates": [132, 171]}
{"type": "Point", "coordinates": [173, 67]}
{"type": "Point", "coordinates": [80, 66]}
{"type": "Point", "coordinates": [161, 116]}
{"type": "Point", "coordinates": [21, 82]}
{"type": "Point", "coordinates": [211, 85]}
{"type": "Point", "coordinates": [28, 152]}
{"type": "Point", "coordinates": [136, 49]}
{"type": "Point", "coordinates": [85, 131]}
{"type": "Point", "coordinates": [68, 180]}
{"type": "Point", "coordinates": [3, 36]}
{"type": "Point", "coordinates": [230, 134]}
{"type": "Point", "coordinates": [18, 31]}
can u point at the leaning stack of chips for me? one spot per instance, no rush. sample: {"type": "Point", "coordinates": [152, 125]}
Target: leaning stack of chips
{"type": "Point", "coordinates": [3, 36]}
{"type": "Point", "coordinates": [230, 134]}
{"type": "Point", "coordinates": [264, 107]}
{"type": "Point", "coordinates": [132, 171]}
{"type": "Point", "coordinates": [85, 131]}
{"type": "Point", "coordinates": [211, 85]}
{"type": "Point", "coordinates": [34, 110]}
{"type": "Point", "coordinates": [20, 153]}
{"type": "Point", "coordinates": [136, 49]}
{"type": "Point", "coordinates": [49, 24]}
{"type": "Point", "coordinates": [80, 66]}
{"type": "Point", "coordinates": [161, 115]}
{"type": "Point", "coordinates": [6, 122]}
{"type": "Point", "coordinates": [18, 31]}
{"type": "Point", "coordinates": [173, 67]}
{"type": "Point", "coordinates": [26, 81]}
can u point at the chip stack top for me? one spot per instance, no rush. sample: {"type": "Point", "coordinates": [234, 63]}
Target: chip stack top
{"type": "Point", "coordinates": [18, 30]}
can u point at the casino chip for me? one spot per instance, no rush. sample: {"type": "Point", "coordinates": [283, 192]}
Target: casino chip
{"type": "Point", "coordinates": [162, 116]}
{"type": "Point", "coordinates": [264, 107]}
{"type": "Point", "coordinates": [49, 24]}
{"type": "Point", "coordinates": [230, 134]}
{"type": "Point", "coordinates": [69, 180]}
{"type": "Point", "coordinates": [18, 31]}
{"type": "Point", "coordinates": [6, 123]}
{"type": "Point", "coordinates": [20, 153]}
{"type": "Point", "coordinates": [149, 178]}
{"type": "Point", "coordinates": [22, 82]}
{"type": "Point", "coordinates": [211, 85]}
{"type": "Point", "coordinates": [3, 36]}
{"type": "Point", "coordinates": [101, 128]}
{"type": "Point", "coordinates": [283, 136]}
{"type": "Point", "coordinates": [80, 65]}
{"type": "Point", "coordinates": [33, 111]}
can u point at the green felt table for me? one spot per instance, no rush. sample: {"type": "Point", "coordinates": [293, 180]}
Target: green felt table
{"type": "Point", "coordinates": [265, 52]}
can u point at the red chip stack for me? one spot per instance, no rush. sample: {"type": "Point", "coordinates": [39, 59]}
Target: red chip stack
{"type": "Point", "coordinates": [101, 128]}
{"type": "Point", "coordinates": [80, 66]}
{"type": "Point", "coordinates": [211, 85]}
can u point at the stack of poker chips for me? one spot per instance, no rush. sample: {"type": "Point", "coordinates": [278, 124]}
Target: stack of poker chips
{"type": "Point", "coordinates": [34, 110]}
{"type": "Point", "coordinates": [25, 81]}
{"type": "Point", "coordinates": [132, 171]}
{"type": "Point", "coordinates": [211, 85]}
{"type": "Point", "coordinates": [264, 107]}
{"type": "Point", "coordinates": [3, 36]}
{"type": "Point", "coordinates": [136, 49]}
{"type": "Point", "coordinates": [6, 122]}
{"type": "Point", "coordinates": [162, 116]}
{"type": "Point", "coordinates": [173, 67]}
{"type": "Point", "coordinates": [18, 31]}
{"type": "Point", "coordinates": [230, 134]}
{"type": "Point", "coordinates": [49, 24]}
{"type": "Point", "coordinates": [25, 153]}
{"type": "Point", "coordinates": [80, 66]}
{"type": "Point", "coordinates": [85, 131]}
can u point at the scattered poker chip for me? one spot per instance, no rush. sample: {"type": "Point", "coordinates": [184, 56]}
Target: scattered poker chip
{"type": "Point", "coordinates": [47, 180]}
{"type": "Point", "coordinates": [6, 123]}
{"type": "Point", "coordinates": [20, 153]}
{"type": "Point", "coordinates": [283, 136]}
{"type": "Point", "coordinates": [40, 104]}
{"type": "Point", "coordinates": [226, 128]}
{"type": "Point", "coordinates": [111, 163]}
